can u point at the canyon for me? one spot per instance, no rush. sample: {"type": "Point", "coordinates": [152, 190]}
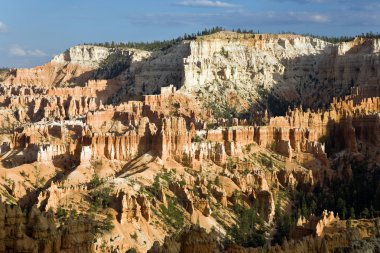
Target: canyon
{"type": "Point", "coordinates": [115, 149]}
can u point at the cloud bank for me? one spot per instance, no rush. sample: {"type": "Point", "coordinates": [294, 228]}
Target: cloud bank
{"type": "Point", "coordinates": [206, 3]}
{"type": "Point", "coordinates": [16, 50]}
{"type": "Point", "coordinates": [3, 27]}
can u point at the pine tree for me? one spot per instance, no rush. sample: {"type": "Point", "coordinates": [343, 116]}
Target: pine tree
{"type": "Point", "coordinates": [284, 223]}
{"type": "Point", "coordinates": [352, 213]}
{"type": "Point", "coordinates": [365, 213]}
{"type": "Point", "coordinates": [247, 232]}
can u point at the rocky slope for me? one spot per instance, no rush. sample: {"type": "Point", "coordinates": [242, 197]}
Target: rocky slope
{"type": "Point", "coordinates": [353, 239]}
{"type": "Point", "coordinates": [357, 238]}
{"type": "Point", "coordinates": [78, 136]}
{"type": "Point", "coordinates": [291, 68]}
{"type": "Point", "coordinates": [136, 143]}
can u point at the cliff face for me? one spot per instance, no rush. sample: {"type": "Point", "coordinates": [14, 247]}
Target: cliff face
{"type": "Point", "coordinates": [76, 65]}
{"type": "Point", "coordinates": [293, 68]}
{"type": "Point", "coordinates": [50, 74]}
{"type": "Point", "coordinates": [160, 69]}
{"type": "Point", "coordinates": [235, 65]}
{"type": "Point", "coordinates": [85, 56]}
{"type": "Point", "coordinates": [224, 69]}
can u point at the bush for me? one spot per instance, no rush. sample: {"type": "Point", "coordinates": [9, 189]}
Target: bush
{"type": "Point", "coordinates": [134, 236]}
{"type": "Point", "coordinates": [156, 186]}
{"type": "Point", "coordinates": [108, 224]}
{"type": "Point", "coordinates": [61, 213]}
{"type": "Point", "coordinates": [267, 161]}
{"type": "Point", "coordinates": [365, 213]}
{"type": "Point", "coordinates": [95, 181]}
{"type": "Point", "coordinates": [100, 199]}
{"type": "Point", "coordinates": [197, 138]}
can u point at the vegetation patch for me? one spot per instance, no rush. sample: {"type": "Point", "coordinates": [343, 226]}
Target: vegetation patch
{"type": "Point", "coordinates": [248, 230]}
{"type": "Point", "coordinates": [172, 214]}
{"type": "Point", "coordinates": [159, 44]}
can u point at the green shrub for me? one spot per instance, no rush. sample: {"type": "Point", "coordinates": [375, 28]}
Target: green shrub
{"type": "Point", "coordinates": [100, 198]}
{"type": "Point", "coordinates": [95, 181]}
{"type": "Point", "coordinates": [61, 213]}
{"type": "Point", "coordinates": [197, 138]}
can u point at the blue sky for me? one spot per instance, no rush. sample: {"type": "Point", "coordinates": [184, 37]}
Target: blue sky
{"type": "Point", "coordinates": [32, 31]}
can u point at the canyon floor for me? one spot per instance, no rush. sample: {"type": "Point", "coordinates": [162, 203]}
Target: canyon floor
{"type": "Point", "coordinates": [228, 142]}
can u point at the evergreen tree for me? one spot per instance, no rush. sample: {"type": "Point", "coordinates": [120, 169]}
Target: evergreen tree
{"type": "Point", "coordinates": [248, 231]}
{"type": "Point", "coordinates": [352, 213]}
{"type": "Point", "coordinates": [284, 223]}
{"type": "Point", "coordinates": [365, 213]}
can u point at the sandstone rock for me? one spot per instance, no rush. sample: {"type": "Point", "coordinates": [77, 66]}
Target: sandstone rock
{"type": "Point", "coordinates": [220, 195]}
{"type": "Point", "coordinates": [145, 207]}
{"type": "Point", "coordinates": [50, 198]}
{"type": "Point", "coordinates": [215, 61]}
{"type": "Point", "coordinates": [162, 197]}
{"type": "Point", "coordinates": [186, 198]}
{"type": "Point", "coordinates": [130, 210]}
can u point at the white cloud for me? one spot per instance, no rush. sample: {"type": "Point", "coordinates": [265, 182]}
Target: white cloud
{"type": "Point", "coordinates": [206, 3]}
{"type": "Point", "coordinates": [16, 50]}
{"type": "Point", "coordinates": [320, 18]}
{"type": "Point", "coordinates": [307, 17]}
{"type": "Point", "coordinates": [317, 1]}
{"type": "Point", "coordinates": [3, 27]}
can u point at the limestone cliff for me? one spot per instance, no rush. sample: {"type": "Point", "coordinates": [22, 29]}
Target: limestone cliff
{"type": "Point", "coordinates": [295, 69]}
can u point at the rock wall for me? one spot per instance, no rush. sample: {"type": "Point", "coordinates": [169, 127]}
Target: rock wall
{"type": "Point", "coordinates": [237, 69]}
{"type": "Point", "coordinates": [226, 68]}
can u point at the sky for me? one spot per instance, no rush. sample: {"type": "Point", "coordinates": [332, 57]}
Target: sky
{"type": "Point", "coordinates": [33, 31]}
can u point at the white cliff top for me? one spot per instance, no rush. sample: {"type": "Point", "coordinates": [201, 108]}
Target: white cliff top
{"type": "Point", "coordinates": [84, 55]}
